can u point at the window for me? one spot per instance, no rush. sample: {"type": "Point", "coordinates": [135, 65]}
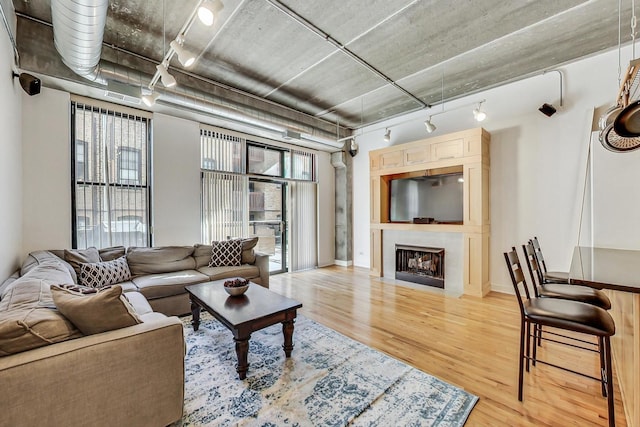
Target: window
{"type": "Point", "coordinates": [111, 187]}
{"type": "Point", "coordinates": [81, 163]}
{"type": "Point", "coordinates": [264, 160]}
{"type": "Point", "coordinates": [129, 165]}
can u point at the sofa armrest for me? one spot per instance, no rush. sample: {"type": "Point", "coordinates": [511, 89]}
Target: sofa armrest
{"type": "Point", "coordinates": [262, 262]}
{"type": "Point", "coordinates": [130, 376]}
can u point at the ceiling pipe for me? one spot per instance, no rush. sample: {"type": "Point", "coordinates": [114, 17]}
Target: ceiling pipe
{"type": "Point", "coordinates": [76, 26]}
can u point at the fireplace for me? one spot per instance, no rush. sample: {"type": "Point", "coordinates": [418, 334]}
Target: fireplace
{"type": "Point", "coordinates": [421, 265]}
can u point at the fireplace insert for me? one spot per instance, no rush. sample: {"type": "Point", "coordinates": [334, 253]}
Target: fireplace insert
{"type": "Point", "coordinates": [421, 265]}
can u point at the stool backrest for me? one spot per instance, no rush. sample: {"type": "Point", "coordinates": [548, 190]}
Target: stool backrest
{"type": "Point", "coordinates": [533, 266]}
{"type": "Point", "coordinates": [539, 256]}
{"type": "Point", "coordinates": [517, 276]}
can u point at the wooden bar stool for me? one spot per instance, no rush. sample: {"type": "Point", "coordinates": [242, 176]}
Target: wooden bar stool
{"type": "Point", "coordinates": [558, 290]}
{"type": "Point", "coordinates": [566, 315]}
{"type": "Point", "coordinates": [548, 276]}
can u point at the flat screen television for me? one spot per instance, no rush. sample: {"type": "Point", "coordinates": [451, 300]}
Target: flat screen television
{"type": "Point", "coordinates": [437, 199]}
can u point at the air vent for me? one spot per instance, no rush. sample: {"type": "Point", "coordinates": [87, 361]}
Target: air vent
{"type": "Point", "coordinates": [289, 134]}
{"type": "Point", "coordinates": [123, 92]}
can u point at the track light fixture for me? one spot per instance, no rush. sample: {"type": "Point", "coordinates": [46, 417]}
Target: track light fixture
{"type": "Point", "coordinates": [387, 135]}
{"type": "Point", "coordinates": [186, 57]}
{"type": "Point", "coordinates": [167, 79]}
{"type": "Point", "coordinates": [353, 147]}
{"type": "Point", "coordinates": [150, 99]}
{"type": "Point", "coordinates": [208, 10]}
{"type": "Point", "coordinates": [429, 126]}
{"type": "Point", "coordinates": [478, 114]}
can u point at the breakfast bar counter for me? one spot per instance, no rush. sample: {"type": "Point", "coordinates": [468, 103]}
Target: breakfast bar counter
{"type": "Point", "coordinates": [618, 272]}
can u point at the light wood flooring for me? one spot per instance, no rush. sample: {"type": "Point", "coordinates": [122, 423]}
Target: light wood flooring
{"type": "Point", "coordinates": [469, 342]}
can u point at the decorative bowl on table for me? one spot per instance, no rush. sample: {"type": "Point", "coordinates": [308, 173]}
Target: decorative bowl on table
{"type": "Point", "coordinates": [236, 286]}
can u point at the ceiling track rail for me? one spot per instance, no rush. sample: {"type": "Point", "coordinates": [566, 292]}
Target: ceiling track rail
{"type": "Point", "coordinates": [311, 27]}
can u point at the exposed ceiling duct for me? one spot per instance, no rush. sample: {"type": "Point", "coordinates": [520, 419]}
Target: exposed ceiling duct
{"type": "Point", "coordinates": [78, 27]}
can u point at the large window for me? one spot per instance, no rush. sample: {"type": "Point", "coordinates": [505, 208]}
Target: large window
{"type": "Point", "coordinates": [110, 170]}
{"type": "Point", "coordinates": [253, 188]}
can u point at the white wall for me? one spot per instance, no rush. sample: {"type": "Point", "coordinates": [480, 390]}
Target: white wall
{"type": "Point", "coordinates": [537, 164]}
{"type": "Point", "coordinates": [326, 210]}
{"type": "Point", "coordinates": [10, 160]}
{"type": "Point", "coordinates": [46, 171]}
{"type": "Point", "coordinates": [176, 181]}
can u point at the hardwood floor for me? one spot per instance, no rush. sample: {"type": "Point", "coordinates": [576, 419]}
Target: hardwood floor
{"type": "Point", "coordinates": [467, 341]}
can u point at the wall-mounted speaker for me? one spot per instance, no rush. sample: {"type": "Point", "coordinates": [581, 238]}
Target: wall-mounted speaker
{"type": "Point", "coordinates": [30, 84]}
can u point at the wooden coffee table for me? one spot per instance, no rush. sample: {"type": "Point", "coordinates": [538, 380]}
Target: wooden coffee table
{"type": "Point", "coordinates": [256, 309]}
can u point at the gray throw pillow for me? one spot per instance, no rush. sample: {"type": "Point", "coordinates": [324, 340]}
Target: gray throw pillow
{"type": "Point", "coordinates": [99, 274]}
{"type": "Point", "coordinates": [76, 257]}
{"type": "Point", "coordinates": [102, 311]}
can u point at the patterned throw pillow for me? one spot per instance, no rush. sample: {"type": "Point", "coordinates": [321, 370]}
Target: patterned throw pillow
{"type": "Point", "coordinates": [100, 274]}
{"type": "Point", "coordinates": [226, 253]}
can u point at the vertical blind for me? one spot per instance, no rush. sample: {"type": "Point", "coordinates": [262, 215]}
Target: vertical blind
{"type": "Point", "coordinates": [110, 177]}
{"type": "Point", "coordinates": [225, 210]}
{"type": "Point", "coordinates": [303, 233]}
{"type": "Point", "coordinates": [222, 152]}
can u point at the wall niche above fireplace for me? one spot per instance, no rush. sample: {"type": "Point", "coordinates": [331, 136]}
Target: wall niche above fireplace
{"type": "Point", "coordinates": [459, 161]}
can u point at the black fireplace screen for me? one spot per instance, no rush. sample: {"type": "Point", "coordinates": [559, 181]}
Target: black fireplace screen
{"type": "Point", "coordinates": [420, 265]}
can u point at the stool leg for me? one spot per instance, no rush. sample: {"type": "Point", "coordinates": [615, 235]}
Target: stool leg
{"type": "Point", "coordinates": [536, 331]}
{"type": "Point", "coordinates": [603, 368]}
{"type": "Point", "coordinates": [609, 373]}
{"type": "Point", "coordinates": [528, 350]}
{"type": "Point", "coordinates": [521, 362]}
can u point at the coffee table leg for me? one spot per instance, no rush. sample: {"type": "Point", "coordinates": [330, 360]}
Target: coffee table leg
{"type": "Point", "coordinates": [287, 330]}
{"type": "Point", "coordinates": [242, 351]}
{"type": "Point", "coordinates": [195, 314]}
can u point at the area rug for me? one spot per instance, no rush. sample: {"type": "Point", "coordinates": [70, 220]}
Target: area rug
{"type": "Point", "coordinates": [330, 380]}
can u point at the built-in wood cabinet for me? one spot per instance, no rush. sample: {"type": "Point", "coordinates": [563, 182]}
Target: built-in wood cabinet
{"type": "Point", "coordinates": [467, 151]}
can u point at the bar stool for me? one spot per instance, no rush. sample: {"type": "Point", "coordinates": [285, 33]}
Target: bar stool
{"type": "Point", "coordinates": [548, 276]}
{"type": "Point", "coordinates": [566, 315]}
{"type": "Point", "coordinates": [558, 290]}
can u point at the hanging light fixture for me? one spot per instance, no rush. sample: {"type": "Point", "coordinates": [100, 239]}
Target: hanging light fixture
{"type": "Point", "coordinates": [186, 57]}
{"type": "Point", "coordinates": [150, 99]}
{"type": "Point", "coordinates": [478, 114]}
{"type": "Point", "coordinates": [208, 10]}
{"type": "Point", "coordinates": [167, 79]}
{"type": "Point", "coordinates": [387, 135]}
{"type": "Point", "coordinates": [429, 126]}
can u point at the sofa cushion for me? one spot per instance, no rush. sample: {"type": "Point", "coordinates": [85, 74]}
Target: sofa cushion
{"type": "Point", "coordinates": [226, 253]}
{"type": "Point", "coordinates": [139, 303]}
{"type": "Point", "coordinates": [128, 286]}
{"type": "Point", "coordinates": [248, 271]}
{"type": "Point", "coordinates": [36, 258]}
{"type": "Point", "coordinates": [248, 254]}
{"type": "Point", "coordinates": [168, 284]}
{"type": "Point", "coordinates": [102, 311]}
{"type": "Point", "coordinates": [76, 257]}
{"type": "Point", "coordinates": [202, 255]}
{"type": "Point", "coordinates": [163, 259]}
{"type": "Point", "coordinates": [99, 274]}
{"type": "Point", "coordinates": [15, 276]}
{"type": "Point", "coordinates": [109, 254]}
{"type": "Point", "coordinates": [28, 328]}
{"type": "Point", "coordinates": [27, 293]}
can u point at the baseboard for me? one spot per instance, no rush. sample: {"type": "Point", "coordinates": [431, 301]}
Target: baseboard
{"type": "Point", "coordinates": [343, 263]}
{"type": "Point", "coordinates": [503, 289]}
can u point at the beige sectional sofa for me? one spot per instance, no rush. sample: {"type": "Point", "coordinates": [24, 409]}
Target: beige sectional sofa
{"type": "Point", "coordinates": [53, 375]}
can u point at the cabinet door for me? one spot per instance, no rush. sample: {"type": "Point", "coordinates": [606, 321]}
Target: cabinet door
{"type": "Point", "coordinates": [376, 253]}
{"type": "Point", "coordinates": [414, 156]}
{"type": "Point", "coordinates": [392, 159]}
{"type": "Point", "coordinates": [447, 149]}
{"type": "Point", "coordinates": [374, 161]}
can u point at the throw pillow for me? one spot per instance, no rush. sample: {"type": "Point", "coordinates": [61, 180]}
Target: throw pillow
{"type": "Point", "coordinates": [102, 311]}
{"type": "Point", "coordinates": [76, 257]}
{"type": "Point", "coordinates": [248, 254]}
{"type": "Point", "coordinates": [226, 253]}
{"type": "Point", "coordinates": [99, 274]}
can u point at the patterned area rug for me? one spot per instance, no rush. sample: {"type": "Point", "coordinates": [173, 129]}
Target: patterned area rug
{"type": "Point", "coordinates": [330, 380]}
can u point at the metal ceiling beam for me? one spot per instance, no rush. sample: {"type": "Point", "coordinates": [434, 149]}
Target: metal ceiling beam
{"type": "Point", "coordinates": [320, 33]}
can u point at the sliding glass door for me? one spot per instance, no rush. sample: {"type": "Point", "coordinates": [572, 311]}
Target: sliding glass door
{"type": "Point", "coordinates": [268, 219]}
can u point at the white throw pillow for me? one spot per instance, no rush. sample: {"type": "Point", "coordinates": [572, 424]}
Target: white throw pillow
{"type": "Point", "coordinates": [99, 274]}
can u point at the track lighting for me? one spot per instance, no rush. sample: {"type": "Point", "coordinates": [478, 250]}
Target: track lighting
{"type": "Point", "coordinates": [208, 10]}
{"type": "Point", "coordinates": [387, 135]}
{"type": "Point", "coordinates": [185, 57]}
{"type": "Point", "coordinates": [167, 79]}
{"type": "Point", "coordinates": [353, 147]}
{"type": "Point", "coordinates": [430, 126]}
{"type": "Point", "coordinates": [478, 114]}
{"type": "Point", "coordinates": [150, 99]}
